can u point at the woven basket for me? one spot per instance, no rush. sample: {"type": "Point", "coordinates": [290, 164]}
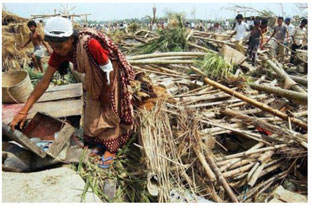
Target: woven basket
{"type": "Point", "coordinates": [16, 87]}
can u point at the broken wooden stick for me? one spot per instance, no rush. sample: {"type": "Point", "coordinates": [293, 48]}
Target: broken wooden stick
{"type": "Point", "coordinates": [205, 165]}
{"type": "Point", "coordinates": [220, 176]}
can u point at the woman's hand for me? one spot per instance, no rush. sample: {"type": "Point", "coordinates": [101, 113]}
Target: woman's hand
{"type": "Point", "coordinates": [40, 88]}
{"type": "Point", "coordinates": [19, 118]}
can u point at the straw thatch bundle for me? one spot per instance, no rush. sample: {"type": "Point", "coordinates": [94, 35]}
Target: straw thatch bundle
{"type": "Point", "coordinates": [14, 36]}
{"type": "Point", "coordinates": [8, 17]}
{"type": "Point", "coordinates": [12, 56]}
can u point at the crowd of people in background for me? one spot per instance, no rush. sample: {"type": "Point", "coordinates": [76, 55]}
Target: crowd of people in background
{"type": "Point", "coordinates": [284, 38]}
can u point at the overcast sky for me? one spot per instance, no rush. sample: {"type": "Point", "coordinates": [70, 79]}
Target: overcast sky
{"type": "Point", "coordinates": [117, 11]}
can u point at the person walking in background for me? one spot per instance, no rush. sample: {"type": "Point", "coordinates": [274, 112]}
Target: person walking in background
{"type": "Point", "coordinates": [299, 37]}
{"type": "Point", "coordinates": [256, 40]}
{"type": "Point", "coordinates": [280, 32]}
{"type": "Point", "coordinates": [201, 26]}
{"type": "Point", "coordinates": [264, 29]}
{"type": "Point", "coordinates": [240, 30]}
{"type": "Point", "coordinates": [290, 29]}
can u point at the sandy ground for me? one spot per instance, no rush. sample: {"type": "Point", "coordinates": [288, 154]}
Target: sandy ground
{"type": "Point", "coordinates": [54, 185]}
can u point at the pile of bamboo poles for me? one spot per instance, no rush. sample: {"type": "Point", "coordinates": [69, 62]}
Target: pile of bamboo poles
{"type": "Point", "coordinates": [268, 140]}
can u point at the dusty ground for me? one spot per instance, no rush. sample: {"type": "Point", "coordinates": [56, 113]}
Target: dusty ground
{"type": "Point", "coordinates": [55, 185]}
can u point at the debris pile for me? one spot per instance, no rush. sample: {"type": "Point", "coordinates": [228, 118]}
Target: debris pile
{"type": "Point", "coordinates": [209, 127]}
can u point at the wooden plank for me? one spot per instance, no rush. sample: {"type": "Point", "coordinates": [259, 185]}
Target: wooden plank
{"type": "Point", "coordinates": [62, 94]}
{"type": "Point", "coordinates": [19, 137]}
{"type": "Point", "coordinates": [56, 109]}
{"type": "Point", "coordinates": [61, 140]}
{"type": "Point", "coordinates": [64, 87]}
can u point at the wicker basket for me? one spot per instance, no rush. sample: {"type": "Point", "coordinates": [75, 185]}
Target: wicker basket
{"type": "Point", "coordinates": [16, 87]}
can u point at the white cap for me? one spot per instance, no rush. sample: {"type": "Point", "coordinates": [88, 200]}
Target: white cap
{"type": "Point", "coordinates": [58, 27]}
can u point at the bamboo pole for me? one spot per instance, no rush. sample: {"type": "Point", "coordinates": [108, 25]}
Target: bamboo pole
{"type": "Point", "coordinates": [165, 54]}
{"type": "Point", "coordinates": [266, 170]}
{"type": "Point", "coordinates": [238, 163]}
{"type": "Point", "coordinates": [291, 95]}
{"type": "Point", "coordinates": [206, 97]}
{"type": "Point", "coordinates": [238, 170]}
{"type": "Point", "coordinates": [248, 119]}
{"type": "Point", "coordinates": [159, 61]}
{"type": "Point", "coordinates": [251, 192]}
{"type": "Point", "coordinates": [300, 80]}
{"type": "Point", "coordinates": [212, 165]}
{"type": "Point", "coordinates": [252, 101]}
{"type": "Point", "coordinates": [234, 100]}
{"type": "Point", "coordinates": [262, 161]}
{"type": "Point", "coordinates": [283, 75]}
{"type": "Point", "coordinates": [210, 189]}
{"type": "Point", "coordinates": [220, 176]}
{"type": "Point", "coordinates": [169, 58]}
{"type": "Point", "coordinates": [200, 47]}
{"type": "Point", "coordinates": [160, 73]}
{"type": "Point", "coordinates": [247, 134]}
{"type": "Point", "coordinates": [216, 41]}
{"type": "Point", "coordinates": [163, 69]}
{"type": "Point", "coordinates": [246, 153]}
{"type": "Point", "coordinates": [228, 163]}
{"type": "Point", "coordinates": [194, 91]}
{"type": "Point", "coordinates": [265, 125]}
{"type": "Point", "coordinates": [205, 165]}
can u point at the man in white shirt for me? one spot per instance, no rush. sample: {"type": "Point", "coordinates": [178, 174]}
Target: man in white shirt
{"type": "Point", "coordinates": [227, 24]}
{"type": "Point", "coordinates": [240, 30]}
{"type": "Point", "coordinates": [290, 30]}
{"type": "Point", "coordinates": [208, 26]}
{"type": "Point", "coordinates": [299, 38]}
{"type": "Point", "coordinates": [192, 25]}
{"type": "Point", "coordinates": [165, 25]}
{"type": "Point", "coordinates": [251, 21]}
